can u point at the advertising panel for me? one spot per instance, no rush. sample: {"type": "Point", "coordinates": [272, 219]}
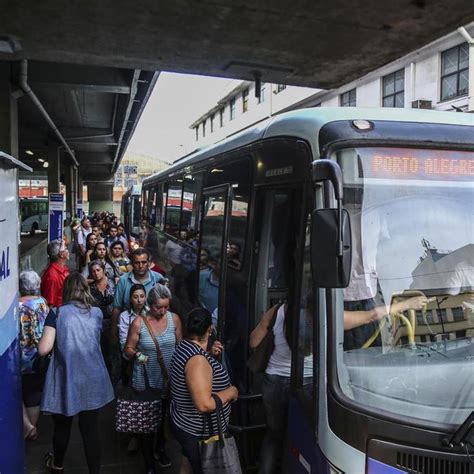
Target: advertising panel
{"type": "Point", "coordinates": [11, 427]}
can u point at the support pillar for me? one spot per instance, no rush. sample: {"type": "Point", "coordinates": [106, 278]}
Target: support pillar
{"type": "Point", "coordinates": [54, 167]}
{"type": "Point", "coordinates": [8, 113]}
{"type": "Point", "coordinates": [70, 195]}
{"type": "Point", "coordinates": [100, 197]}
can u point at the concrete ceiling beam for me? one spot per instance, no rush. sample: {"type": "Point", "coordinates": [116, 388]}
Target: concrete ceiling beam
{"type": "Point", "coordinates": [73, 76]}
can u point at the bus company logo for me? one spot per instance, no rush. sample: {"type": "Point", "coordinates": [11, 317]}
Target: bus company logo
{"type": "Point", "coordinates": [5, 271]}
{"type": "Point", "coordinates": [279, 171]}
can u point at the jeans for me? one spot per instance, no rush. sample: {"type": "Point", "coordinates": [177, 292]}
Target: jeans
{"type": "Point", "coordinates": [276, 394]}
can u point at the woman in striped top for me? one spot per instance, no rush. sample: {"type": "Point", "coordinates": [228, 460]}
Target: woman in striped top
{"type": "Point", "coordinates": [195, 376]}
{"type": "Point", "coordinates": [140, 347]}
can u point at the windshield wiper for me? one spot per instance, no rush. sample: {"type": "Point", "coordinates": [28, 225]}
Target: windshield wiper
{"type": "Point", "coordinates": [464, 435]}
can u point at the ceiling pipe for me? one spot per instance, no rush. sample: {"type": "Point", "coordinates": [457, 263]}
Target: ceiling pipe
{"type": "Point", "coordinates": [29, 92]}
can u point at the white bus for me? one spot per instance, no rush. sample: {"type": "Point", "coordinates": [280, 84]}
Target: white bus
{"type": "Point", "coordinates": [34, 214]}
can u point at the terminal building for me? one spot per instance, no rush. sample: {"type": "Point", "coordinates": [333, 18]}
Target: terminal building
{"type": "Point", "coordinates": [437, 76]}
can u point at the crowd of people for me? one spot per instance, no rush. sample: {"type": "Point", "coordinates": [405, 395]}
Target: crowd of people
{"type": "Point", "coordinates": [86, 334]}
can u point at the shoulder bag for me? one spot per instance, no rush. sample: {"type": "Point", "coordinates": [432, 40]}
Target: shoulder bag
{"type": "Point", "coordinates": [258, 361]}
{"type": "Point", "coordinates": [219, 453]}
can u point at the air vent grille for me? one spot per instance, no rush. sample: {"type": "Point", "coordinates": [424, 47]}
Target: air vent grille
{"type": "Point", "coordinates": [416, 464]}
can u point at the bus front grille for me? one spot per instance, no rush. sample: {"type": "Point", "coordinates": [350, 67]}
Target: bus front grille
{"type": "Point", "coordinates": [418, 464]}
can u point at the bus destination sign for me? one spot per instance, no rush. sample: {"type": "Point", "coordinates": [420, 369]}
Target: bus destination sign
{"type": "Point", "coordinates": [411, 163]}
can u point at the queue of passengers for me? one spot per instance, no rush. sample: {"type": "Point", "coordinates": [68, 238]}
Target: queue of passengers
{"type": "Point", "coordinates": [84, 335]}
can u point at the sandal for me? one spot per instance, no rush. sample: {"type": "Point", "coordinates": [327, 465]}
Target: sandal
{"type": "Point", "coordinates": [49, 463]}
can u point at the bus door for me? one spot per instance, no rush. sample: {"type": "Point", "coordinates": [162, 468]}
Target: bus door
{"type": "Point", "coordinates": [276, 247]}
{"type": "Point", "coordinates": [217, 206]}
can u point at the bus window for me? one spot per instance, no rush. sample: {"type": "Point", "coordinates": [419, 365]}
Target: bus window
{"type": "Point", "coordinates": [238, 175]}
{"type": "Point", "coordinates": [190, 212]}
{"type": "Point", "coordinates": [173, 207]}
{"type": "Point", "coordinates": [159, 205]}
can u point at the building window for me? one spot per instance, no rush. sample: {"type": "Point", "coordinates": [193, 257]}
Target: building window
{"type": "Point", "coordinates": [245, 100]}
{"type": "Point", "coordinates": [203, 128]}
{"type": "Point", "coordinates": [221, 117]}
{"type": "Point", "coordinates": [458, 313]}
{"type": "Point", "coordinates": [232, 109]}
{"type": "Point", "coordinates": [455, 72]}
{"type": "Point", "coordinates": [212, 123]}
{"type": "Point", "coordinates": [196, 129]}
{"type": "Point", "coordinates": [280, 87]}
{"type": "Point", "coordinates": [393, 91]}
{"type": "Point", "coordinates": [262, 93]}
{"type": "Point", "coordinates": [348, 99]}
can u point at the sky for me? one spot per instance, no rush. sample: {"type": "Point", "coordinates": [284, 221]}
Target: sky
{"type": "Point", "coordinates": [175, 103]}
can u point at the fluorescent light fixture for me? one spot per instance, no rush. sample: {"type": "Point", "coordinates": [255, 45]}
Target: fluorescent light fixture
{"type": "Point", "coordinates": [29, 152]}
{"type": "Point", "coordinates": [45, 164]}
{"type": "Point", "coordinates": [217, 170]}
{"type": "Point", "coordinates": [41, 160]}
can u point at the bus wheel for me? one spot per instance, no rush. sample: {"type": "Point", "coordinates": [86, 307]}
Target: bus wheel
{"type": "Point", "coordinates": [34, 228]}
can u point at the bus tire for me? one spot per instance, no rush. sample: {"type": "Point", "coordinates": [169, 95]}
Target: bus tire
{"type": "Point", "coordinates": [34, 228]}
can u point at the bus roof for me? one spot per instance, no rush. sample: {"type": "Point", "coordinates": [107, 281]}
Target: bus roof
{"type": "Point", "coordinates": [306, 124]}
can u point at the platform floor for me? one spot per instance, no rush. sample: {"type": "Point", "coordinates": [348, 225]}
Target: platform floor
{"type": "Point", "coordinates": [115, 458]}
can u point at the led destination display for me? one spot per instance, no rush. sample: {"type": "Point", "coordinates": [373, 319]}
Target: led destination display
{"type": "Point", "coordinates": [409, 163]}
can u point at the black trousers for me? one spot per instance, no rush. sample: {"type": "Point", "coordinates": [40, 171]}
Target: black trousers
{"type": "Point", "coordinates": [89, 428]}
{"type": "Point", "coordinates": [154, 442]}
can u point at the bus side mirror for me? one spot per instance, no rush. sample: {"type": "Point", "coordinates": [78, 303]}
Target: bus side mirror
{"type": "Point", "coordinates": [330, 270]}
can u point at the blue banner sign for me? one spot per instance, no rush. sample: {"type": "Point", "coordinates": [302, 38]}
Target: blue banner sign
{"type": "Point", "coordinates": [56, 216]}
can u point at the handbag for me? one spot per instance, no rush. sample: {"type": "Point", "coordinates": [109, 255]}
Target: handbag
{"type": "Point", "coordinates": [138, 411]}
{"type": "Point", "coordinates": [219, 453]}
{"type": "Point", "coordinates": [258, 361]}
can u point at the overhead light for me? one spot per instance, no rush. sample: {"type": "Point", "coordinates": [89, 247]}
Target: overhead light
{"type": "Point", "coordinates": [29, 152]}
{"type": "Point", "coordinates": [41, 160]}
{"type": "Point", "coordinates": [217, 170]}
{"type": "Point", "coordinates": [45, 164]}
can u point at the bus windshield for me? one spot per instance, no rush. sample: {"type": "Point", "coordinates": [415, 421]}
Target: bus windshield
{"type": "Point", "coordinates": [408, 319]}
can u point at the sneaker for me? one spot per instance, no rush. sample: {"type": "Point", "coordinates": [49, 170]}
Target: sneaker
{"type": "Point", "coordinates": [163, 459]}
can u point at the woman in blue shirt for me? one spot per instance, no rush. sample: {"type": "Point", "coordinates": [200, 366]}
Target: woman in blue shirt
{"type": "Point", "coordinates": [77, 382]}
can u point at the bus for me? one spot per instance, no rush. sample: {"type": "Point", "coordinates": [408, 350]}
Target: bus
{"type": "Point", "coordinates": [34, 214]}
{"type": "Point", "coordinates": [362, 220]}
{"type": "Point", "coordinates": [130, 210]}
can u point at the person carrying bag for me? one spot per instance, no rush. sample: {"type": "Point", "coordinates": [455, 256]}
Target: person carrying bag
{"type": "Point", "coordinates": [219, 453]}
{"type": "Point", "coordinates": [150, 344]}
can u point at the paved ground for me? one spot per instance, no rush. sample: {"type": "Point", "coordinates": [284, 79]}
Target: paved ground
{"type": "Point", "coordinates": [115, 458]}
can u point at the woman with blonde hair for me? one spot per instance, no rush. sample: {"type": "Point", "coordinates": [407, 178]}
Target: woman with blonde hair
{"type": "Point", "coordinates": [77, 382]}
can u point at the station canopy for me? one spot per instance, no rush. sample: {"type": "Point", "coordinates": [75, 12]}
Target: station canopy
{"type": "Point", "coordinates": [93, 64]}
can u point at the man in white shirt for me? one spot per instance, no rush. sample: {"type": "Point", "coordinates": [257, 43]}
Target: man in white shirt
{"type": "Point", "coordinates": [82, 234]}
